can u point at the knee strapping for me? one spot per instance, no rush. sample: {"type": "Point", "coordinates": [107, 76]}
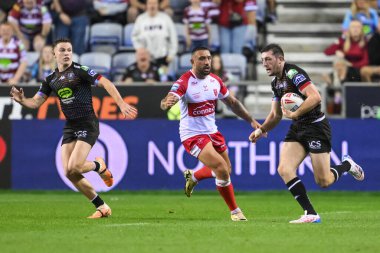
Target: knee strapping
{"type": "Point", "coordinates": [222, 183]}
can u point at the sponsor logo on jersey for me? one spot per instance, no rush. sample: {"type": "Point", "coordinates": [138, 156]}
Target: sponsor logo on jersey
{"type": "Point", "coordinates": [315, 145]}
{"type": "Point", "coordinates": [175, 87]}
{"type": "Point", "coordinates": [194, 83]}
{"type": "Point", "coordinates": [291, 73]}
{"type": "Point", "coordinates": [299, 79]}
{"type": "Point", "coordinates": [81, 133]}
{"type": "Point", "coordinates": [65, 93]}
{"type": "Point", "coordinates": [91, 72]}
{"type": "Point", "coordinates": [205, 87]}
{"type": "Point", "coordinates": [215, 92]}
{"type": "Point", "coordinates": [201, 109]}
{"type": "Point", "coordinates": [85, 68]}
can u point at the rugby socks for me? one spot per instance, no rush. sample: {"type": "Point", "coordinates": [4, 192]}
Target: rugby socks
{"type": "Point", "coordinates": [226, 189]}
{"type": "Point", "coordinates": [338, 170]}
{"type": "Point", "coordinates": [203, 173]}
{"type": "Point", "coordinates": [97, 166]}
{"type": "Point", "coordinates": [97, 201]}
{"type": "Point", "coordinates": [298, 190]}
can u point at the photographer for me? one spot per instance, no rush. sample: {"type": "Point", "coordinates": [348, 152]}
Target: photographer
{"type": "Point", "coordinates": [235, 19]}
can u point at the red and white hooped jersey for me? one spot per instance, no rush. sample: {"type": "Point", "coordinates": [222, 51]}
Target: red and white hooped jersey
{"type": "Point", "coordinates": [198, 103]}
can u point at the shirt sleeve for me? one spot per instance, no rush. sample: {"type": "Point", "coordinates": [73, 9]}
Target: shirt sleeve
{"type": "Point", "coordinates": [89, 75]}
{"type": "Point", "coordinates": [299, 78]}
{"type": "Point", "coordinates": [45, 89]}
{"type": "Point", "coordinates": [179, 88]}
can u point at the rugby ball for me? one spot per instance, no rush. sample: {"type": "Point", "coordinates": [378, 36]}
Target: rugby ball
{"type": "Point", "coordinates": [291, 101]}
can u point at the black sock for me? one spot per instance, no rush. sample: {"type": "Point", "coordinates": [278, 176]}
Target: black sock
{"type": "Point", "coordinates": [338, 170]}
{"type": "Point", "coordinates": [297, 188]}
{"type": "Point", "coordinates": [97, 201]}
{"type": "Point", "coordinates": [97, 166]}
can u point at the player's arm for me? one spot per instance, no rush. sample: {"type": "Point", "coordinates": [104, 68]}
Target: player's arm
{"type": "Point", "coordinates": [313, 98]}
{"type": "Point", "coordinates": [32, 103]}
{"type": "Point", "coordinates": [271, 121]}
{"type": "Point", "coordinates": [129, 111]}
{"type": "Point", "coordinates": [168, 101]}
{"type": "Point", "coordinates": [238, 108]}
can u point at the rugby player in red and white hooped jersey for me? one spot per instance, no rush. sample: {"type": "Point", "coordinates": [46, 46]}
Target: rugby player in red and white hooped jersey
{"type": "Point", "coordinates": [198, 90]}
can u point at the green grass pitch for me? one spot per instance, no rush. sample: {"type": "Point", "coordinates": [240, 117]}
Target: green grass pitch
{"type": "Point", "coordinates": [163, 221]}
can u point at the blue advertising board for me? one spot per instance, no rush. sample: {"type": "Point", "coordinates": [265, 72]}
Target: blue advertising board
{"type": "Point", "coordinates": [147, 154]}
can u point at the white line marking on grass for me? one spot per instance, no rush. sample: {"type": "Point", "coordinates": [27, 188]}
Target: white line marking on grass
{"type": "Point", "coordinates": [127, 224]}
{"type": "Point", "coordinates": [337, 212]}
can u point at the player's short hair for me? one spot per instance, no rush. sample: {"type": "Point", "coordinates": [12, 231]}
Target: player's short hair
{"type": "Point", "coordinates": [61, 40]}
{"type": "Point", "coordinates": [201, 48]}
{"type": "Point", "coordinates": [275, 48]}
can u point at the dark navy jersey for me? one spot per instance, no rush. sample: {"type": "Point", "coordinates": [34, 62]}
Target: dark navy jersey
{"type": "Point", "coordinates": [294, 79]}
{"type": "Point", "coordinates": [73, 88]}
{"type": "Point", "coordinates": [135, 73]}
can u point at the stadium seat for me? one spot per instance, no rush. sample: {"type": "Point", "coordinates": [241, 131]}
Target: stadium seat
{"type": "Point", "coordinates": [184, 64]}
{"type": "Point", "coordinates": [106, 37]}
{"type": "Point", "coordinates": [236, 64]}
{"type": "Point", "coordinates": [75, 58]}
{"type": "Point", "coordinates": [127, 41]}
{"type": "Point", "coordinates": [98, 61]}
{"type": "Point", "coordinates": [31, 58]}
{"type": "Point", "coordinates": [181, 35]}
{"type": "Point", "coordinates": [120, 62]}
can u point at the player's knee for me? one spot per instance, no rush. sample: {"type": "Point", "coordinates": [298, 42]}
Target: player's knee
{"type": "Point", "coordinates": [283, 171]}
{"type": "Point", "coordinates": [73, 169]}
{"type": "Point", "coordinates": [323, 183]}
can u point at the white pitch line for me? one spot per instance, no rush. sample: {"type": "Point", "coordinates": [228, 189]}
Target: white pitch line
{"type": "Point", "coordinates": [127, 224]}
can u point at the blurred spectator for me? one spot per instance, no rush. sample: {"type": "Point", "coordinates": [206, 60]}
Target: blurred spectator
{"type": "Point", "coordinates": [138, 7]}
{"type": "Point", "coordinates": [143, 70]}
{"type": "Point", "coordinates": [155, 31]}
{"type": "Point", "coordinates": [217, 68]}
{"type": "Point", "coordinates": [353, 48]}
{"type": "Point", "coordinates": [237, 20]}
{"type": "Point", "coordinates": [371, 73]}
{"type": "Point", "coordinates": [71, 22]}
{"type": "Point", "coordinates": [5, 7]}
{"type": "Point", "coordinates": [266, 11]}
{"type": "Point", "coordinates": [44, 66]}
{"type": "Point", "coordinates": [212, 8]}
{"type": "Point", "coordinates": [351, 57]}
{"type": "Point", "coordinates": [32, 23]}
{"type": "Point", "coordinates": [13, 61]}
{"type": "Point", "coordinates": [360, 10]}
{"type": "Point", "coordinates": [110, 10]}
{"type": "Point", "coordinates": [197, 25]}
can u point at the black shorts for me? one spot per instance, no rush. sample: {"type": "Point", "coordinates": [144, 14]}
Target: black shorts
{"type": "Point", "coordinates": [86, 130]}
{"type": "Point", "coordinates": [314, 137]}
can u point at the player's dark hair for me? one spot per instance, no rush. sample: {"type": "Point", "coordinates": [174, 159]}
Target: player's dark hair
{"type": "Point", "coordinates": [61, 40]}
{"type": "Point", "coordinates": [275, 48]}
{"type": "Point", "coordinates": [200, 49]}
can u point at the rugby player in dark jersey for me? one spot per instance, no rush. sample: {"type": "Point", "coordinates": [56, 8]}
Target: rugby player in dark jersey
{"type": "Point", "coordinates": [72, 83]}
{"type": "Point", "coordinates": [309, 132]}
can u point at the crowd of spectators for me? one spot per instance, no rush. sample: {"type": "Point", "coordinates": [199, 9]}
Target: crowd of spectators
{"type": "Point", "coordinates": [37, 23]}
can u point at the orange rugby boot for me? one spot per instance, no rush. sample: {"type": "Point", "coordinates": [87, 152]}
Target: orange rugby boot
{"type": "Point", "coordinates": [104, 173]}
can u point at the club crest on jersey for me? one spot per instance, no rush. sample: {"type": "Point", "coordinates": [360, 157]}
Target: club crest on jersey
{"type": "Point", "coordinates": [215, 92]}
{"type": "Point", "coordinates": [70, 75]}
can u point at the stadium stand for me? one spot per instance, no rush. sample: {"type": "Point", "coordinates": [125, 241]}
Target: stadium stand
{"type": "Point", "coordinates": [98, 61]}
{"type": "Point", "coordinates": [120, 62]}
{"type": "Point", "coordinates": [106, 37]}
